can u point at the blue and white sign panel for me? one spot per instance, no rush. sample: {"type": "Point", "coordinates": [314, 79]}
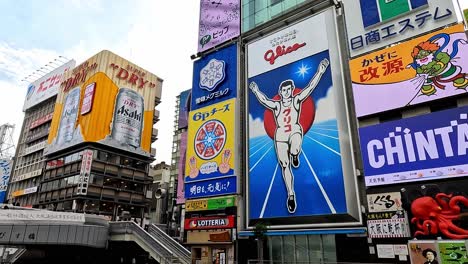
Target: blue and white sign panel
{"type": "Point", "coordinates": [374, 24]}
{"type": "Point", "coordinates": [215, 187]}
{"type": "Point", "coordinates": [427, 147]}
{"type": "Point", "coordinates": [299, 161]}
{"type": "Point", "coordinates": [215, 77]}
{"type": "Point", "coordinates": [5, 172]}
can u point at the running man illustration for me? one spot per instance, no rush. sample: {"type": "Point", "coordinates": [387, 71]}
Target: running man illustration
{"type": "Point", "coordinates": [289, 132]}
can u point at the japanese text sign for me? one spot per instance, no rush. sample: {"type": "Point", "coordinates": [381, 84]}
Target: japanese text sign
{"type": "Point", "coordinates": [383, 202]}
{"type": "Point", "coordinates": [426, 147]}
{"type": "Point", "coordinates": [215, 77]}
{"type": "Point", "coordinates": [373, 24]}
{"type": "Point", "coordinates": [420, 70]}
{"type": "Point", "coordinates": [210, 149]}
{"type": "Point", "coordinates": [219, 22]}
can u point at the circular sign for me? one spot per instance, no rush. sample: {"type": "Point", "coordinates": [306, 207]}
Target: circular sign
{"type": "Point", "coordinates": [210, 139]}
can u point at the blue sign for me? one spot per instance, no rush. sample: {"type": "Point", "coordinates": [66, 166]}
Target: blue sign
{"type": "Point", "coordinates": [184, 108]}
{"type": "Point", "coordinates": [215, 187]}
{"type": "Point", "coordinates": [295, 165]}
{"type": "Point", "coordinates": [215, 77]}
{"type": "Point", "coordinates": [5, 171]}
{"type": "Point", "coordinates": [427, 147]}
{"type": "Point", "coordinates": [376, 11]}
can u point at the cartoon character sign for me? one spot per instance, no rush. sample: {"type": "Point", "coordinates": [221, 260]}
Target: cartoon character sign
{"type": "Point", "coordinates": [420, 70]}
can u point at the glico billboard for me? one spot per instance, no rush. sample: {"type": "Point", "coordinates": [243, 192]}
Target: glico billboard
{"type": "Point", "coordinates": [107, 100]}
{"type": "Point", "coordinates": [300, 163]}
{"type": "Point", "coordinates": [420, 70]}
{"type": "Point", "coordinates": [427, 147]}
{"type": "Point", "coordinates": [46, 86]}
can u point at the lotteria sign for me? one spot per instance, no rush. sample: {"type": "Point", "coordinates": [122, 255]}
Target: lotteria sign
{"type": "Point", "coordinates": [427, 147]}
{"type": "Point", "coordinates": [209, 223]}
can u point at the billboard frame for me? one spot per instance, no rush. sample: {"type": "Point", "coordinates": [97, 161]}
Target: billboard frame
{"type": "Point", "coordinates": [338, 52]}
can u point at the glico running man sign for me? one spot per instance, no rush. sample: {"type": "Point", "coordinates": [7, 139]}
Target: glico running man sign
{"type": "Point", "coordinates": [299, 166]}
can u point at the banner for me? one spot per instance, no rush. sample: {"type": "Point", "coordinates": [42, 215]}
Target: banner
{"type": "Point", "coordinates": [46, 86]}
{"type": "Point", "coordinates": [210, 203]}
{"type": "Point", "coordinates": [219, 22]}
{"type": "Point", "coordinates": [184, 108]}
{"type": "Point", "coordinates": [215, 77]}
{"type": "Point", "coordinates": [426, 147]}
{"type": "Point", "coordinates": [374, 24]}
{"type": "Point", "coordinates": [107, 100]}
{"type": "Point", "coordinates": [420, 70]}
{"type": "Point", "coordinates": [5, 172]}
{"type": "Point", "coordinates": [210, 222]}
{"type": "Point", "coordinates": [296, 156]}
{"type": "Point", "coordinates": [181, 168]}
{"type": "Point", "coordinates": [388, 225]}
{"type": "Point", "coordinates": [209, 167]}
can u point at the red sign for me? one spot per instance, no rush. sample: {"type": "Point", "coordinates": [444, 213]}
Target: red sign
{"type": "Point", "coordinates": [88, 98]}
{"type": "Point", "coordinates": [209, 222]}
{"type": "Point", "coordinates": [41, 120]}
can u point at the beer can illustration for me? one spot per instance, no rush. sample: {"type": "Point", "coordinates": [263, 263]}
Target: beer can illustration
{"type": "Point", "coordinates": [128, 118]}
{"type": "Point", "coordinates": [69, 116]}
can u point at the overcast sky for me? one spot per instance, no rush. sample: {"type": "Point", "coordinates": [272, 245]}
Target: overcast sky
{"type": "Point", "coordinates": [157, 35]}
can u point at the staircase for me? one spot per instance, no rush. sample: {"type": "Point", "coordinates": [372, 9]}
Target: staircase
{"type": "Point", "coordinates": [158, 244]}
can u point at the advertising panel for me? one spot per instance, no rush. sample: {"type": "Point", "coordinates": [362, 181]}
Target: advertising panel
{"type": "Point", "coordinates": [388, 225]}
{"type": "Point", "coordinates": [423, 251]}
{"type": "Point", "coordinates": [40, 216]}
{"type": "Point", "coordinates": [420, 70]}
{"type": "Point", "coordinates": [300, 164]}
{"type": "Point", "coordinates": [107, 100]}
{"type": "Point", "coordinates": [426, 147]}
{"type": "Point", "coordinates": [453, 251]}
{"type": "Point", "coordinates": [209, 168]}
{"type": "Point", "coordinates": [180, 177]}
{"type": "Point", "coordinates": [219, 22]}
{"type": "Point", "coordinates": [184, 108]}
{"type": "Point", "coordinates": [215, 77]}
{"type": "Point", "coordinates": [210, 203]}
{"type": "Point", "coordinates": [209, 222]}
{"type": "Point", "coordinates": [373, 24]}
{"type": "Point", "coordinates": [46, 86]}
{"type": "Point", "coordinates": [5, 172]}
{"type": "Point", "coordinates": [85, 172]}
{"type": "Point", "coordinates": [383, 202]}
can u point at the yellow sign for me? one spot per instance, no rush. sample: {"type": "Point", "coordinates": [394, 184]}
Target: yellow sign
{"type": "Point", "coordinates": [210, 142]}
{"type": "Point", "coordinates": [196, 205]}
{"type": "Point", "coordinates": [106, 99]}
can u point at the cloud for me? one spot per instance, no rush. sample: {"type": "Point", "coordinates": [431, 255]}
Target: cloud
{"type": "Point", "coordinates": [326, 107]}
{"type": "Point", "coordinates": [256, 128]}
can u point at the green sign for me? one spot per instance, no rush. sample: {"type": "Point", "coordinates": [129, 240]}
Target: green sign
{"type": "Point", "coordinates": [210, 204]}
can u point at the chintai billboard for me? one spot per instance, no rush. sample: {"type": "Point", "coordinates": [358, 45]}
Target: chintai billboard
{"type": "Point", "coordinates": [108, 100]}
{"type": "Point", "coordinates": [427, 147]}
{"type": "Point", "coordinates": [300, 166]}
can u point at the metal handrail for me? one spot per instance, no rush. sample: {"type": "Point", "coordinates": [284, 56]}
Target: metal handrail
{"type": "Point", "coordinates": [179, 249]}
{"type": "Point", "coordinates": [128, 227]}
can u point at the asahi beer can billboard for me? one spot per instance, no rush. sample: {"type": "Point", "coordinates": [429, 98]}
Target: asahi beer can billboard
{"type": "Point", "coordinates": [117, 112]}
{"type": "Point", "coordinates": [128, 118]}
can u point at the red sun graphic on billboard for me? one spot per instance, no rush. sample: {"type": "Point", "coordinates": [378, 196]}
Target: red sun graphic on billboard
{"type": "Point", "coordinates": [306, 117]}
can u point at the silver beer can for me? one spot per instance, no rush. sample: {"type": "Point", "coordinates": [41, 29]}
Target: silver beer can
{"type": "Point", "coordinates": [128, 118]}
{"type": "Point", "coordinates": [69, 116]}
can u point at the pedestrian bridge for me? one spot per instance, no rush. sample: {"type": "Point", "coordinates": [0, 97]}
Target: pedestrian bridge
{"type": "Point", "coordinates": [20, 227]}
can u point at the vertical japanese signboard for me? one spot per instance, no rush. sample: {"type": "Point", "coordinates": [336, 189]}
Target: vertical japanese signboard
{"type": "Point", "coordinates": [184, 108]}
{"type": "Point", "coordinates": [373, 24]}
{"type": "Point", "coordinates": [181, 167]}
{"type": "Point", "coordinates": [210, 160]}
{"type": "Point", "coordinates": [299, 166]}
{"type": "Point", "coordinates": [215, 77]}
{"type": "Point", "coordinates": [5, 172]}
{"type": "Point", "coordinates": [420, 70]}
{"type": "Point", "coordinates": [426, 147]}
{"type": "Point", "coordinates": [219, 22]}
